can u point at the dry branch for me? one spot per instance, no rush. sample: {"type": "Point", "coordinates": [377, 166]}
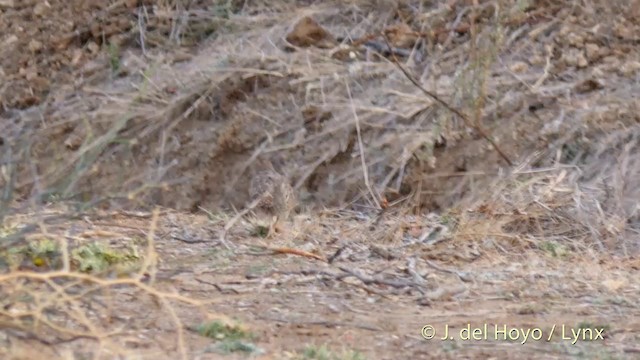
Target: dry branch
{"type": "Point", "coordinates": [477, 127]}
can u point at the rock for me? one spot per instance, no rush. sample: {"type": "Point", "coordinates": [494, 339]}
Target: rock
{"type": "Point", "coordinates": [575, 57]}
{"type": "Point", "coordinates": [41, 9]}
{"type": "Point", "coordinates": [575, 39]}
{"type": "Point", "coordinates": [629, 68]}
{"type": "Point", "coordinates": [588, 85]}
{"type": "Point", "coordinates": [7, 4]}
{"type": "Point", "coordinates": [93, 47]}
{"type": "Point", "coordinates": [592, 51]}
{"type": "Point", "coordinates": [307, 33]}
{"type": "Point", "coordinates": [35, 45]}
{"type": "Point", "coordinates": [519, 67]}
{"type": "Point", "coordinates": [401, 36]}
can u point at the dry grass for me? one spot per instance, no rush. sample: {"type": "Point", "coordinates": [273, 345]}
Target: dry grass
{"type": "Point", "coordinates": [498, 151]}
{"type": "Point", "coordinates": [64, 308]}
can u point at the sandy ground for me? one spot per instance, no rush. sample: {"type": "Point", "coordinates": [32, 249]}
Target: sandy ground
{"type": "Point", "coordinates": [374, 299]}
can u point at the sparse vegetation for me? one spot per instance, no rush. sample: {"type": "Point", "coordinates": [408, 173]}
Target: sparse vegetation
{"type": "Point", "coordinates": [89, 258]}
{"type": "Point", "coordinates": [39, 253]}
{"type": "Point", "coordinates": [114, 58]}
{"type": "Point", "coordinates": [260, 231]}
{"type": "Point", "coordinates": [97, 258]}
{"type": "Point", "coordinates": [229, 338]}
{"type": "Point", "coordinates": [324, 353]}
{"type": "Point", "coordinates": [229, 346]}
{"type": "Point", "coordinates": [554, 249]}
{"type": "Point", "coordinates": [219, 331]}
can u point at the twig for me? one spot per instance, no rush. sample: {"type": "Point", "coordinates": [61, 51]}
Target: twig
{"type": "Point", "coordinates": [460, 274]}
{"type": "Point", "coordinates": [385, 50]}
{"type": "Point", "coordinates": [282, 250]}
{"type": "Point", "coordinates": [142, 26]}
{"type": "Point", "coordinates": [361, 146]}
{"type": "Point", "coordinates": [189, 241]}
{"type": "Point", "coordinates": [411, 269]}
{"type": "Point", "coordinates": [235, 219]}
{"type": "Point", "coordinates": [335, 255]}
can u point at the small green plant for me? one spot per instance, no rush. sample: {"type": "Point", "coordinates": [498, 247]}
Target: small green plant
{"type": "Point", "coordinates": [96, 257]}
{"type": "Point", "coordinates": [42, 253]}
{"type": "Point", "coordinates": [114, 57]}
{"type": "Point", "coordinates": [260, 231]}
{"type": "Point", "coordinates": [575, 151]}
{"type": "Point", "coordinates": [591, 327]}
{"type": "Point", "coordinates": [449, 220]}
{"type": "Point", "coordinates": [229, 346]}
{"type": "Point", "coordinates": [222, 9]}
{"type": "Point", "coordinates": [7, 230]}
{"type": "Point", "coordinates": [51, 196]}
{"type": "Point", "coordinates": [232, 338]}
{"type": "Point", "coordinates": [554, 249]}
{"type": "Point", "coordinates": [324, 353]}
{"type": "Point", "coordinates": [219, 331]}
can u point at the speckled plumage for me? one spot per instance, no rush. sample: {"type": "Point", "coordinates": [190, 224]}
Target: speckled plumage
{"type": "Point", "coordinates": [275, 197]}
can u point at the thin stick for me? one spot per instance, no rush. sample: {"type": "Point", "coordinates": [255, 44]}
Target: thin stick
{"type": "Point", "coordinates": [230, 223]}
{"type": "Point", "coordinates": [365, 172]}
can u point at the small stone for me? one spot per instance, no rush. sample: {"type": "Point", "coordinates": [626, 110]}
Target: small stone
{"type": "Point", "coordinates": [307, 32]}
{"type": "Point", "coordinates": [35, 45]}
{"type": "Point", "coordinates": [41, 9]}
{"type": "Point", "coordinates": [582, 60]}
{"type": "Point", "coordinates": [537, 60]}
{"type": "Point", "coordinates": [597, 72]}
{"type": "Point", "coordinates": [611, 61]}
{"type": "Point", "coordinates": [10, 40]}
{"type": "Point", "coordinates": [31, 74]}
{"type": "Point", "coordinates": [93, 47]}
{"type": "Point", "coordinates": [38, 82]}
{"type": "Point", "coordinates": [629, 68]}
{"type": "Point", "coordinates": [593, 51]}
{"type": "Point", "coordinates": [519, 67]}
{"type": "Point", "coordinates": [564, 30]}
{"type": "Point", "coordinates": [7, 4]}
{"type": "Point", "coordinates": [401, 36]}
{"type": "Point", "coordinates": [588, 85]}
{"type": "Point", "coordinates": [77, 56]}
{"type": "Point", "coordinates": [575, 57]}
{"type": "Point", "coordinates": [623, 31]}
{"type": "Point", "coordinates": [575, 40]}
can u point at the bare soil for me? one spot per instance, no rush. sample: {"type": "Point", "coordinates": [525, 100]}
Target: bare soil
{"type": "Point", "coordinates": [374, 298]}
{"type": "Point", "coordinates": [518, 211]}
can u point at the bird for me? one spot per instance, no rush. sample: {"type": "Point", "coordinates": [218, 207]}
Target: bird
{"type": "Point", "coordinates": [271, 196]}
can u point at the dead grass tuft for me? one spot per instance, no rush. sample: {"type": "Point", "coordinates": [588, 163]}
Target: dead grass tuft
{"type": "Point", "coordinates": [71, 310]}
